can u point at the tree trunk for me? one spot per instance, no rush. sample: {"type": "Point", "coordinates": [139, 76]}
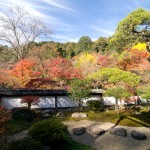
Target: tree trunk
{"type": "Point", "coordinates": [117, 107]}
{"type": "Point", "coordinates": [80, 105]}
{"type": "Point", "coordinates": [29, 106]}
{"type": "Point", "coordinates": [148, 105]}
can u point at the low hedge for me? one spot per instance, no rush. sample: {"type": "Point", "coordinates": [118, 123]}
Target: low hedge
{"type": "Point", "coordinates": [23, 114]}
{"type": "Point", "coordinates": [49, 132]}
{"type": "Point", "coordinates": [95, 105]}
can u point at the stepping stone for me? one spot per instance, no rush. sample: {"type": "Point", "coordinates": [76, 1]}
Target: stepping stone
{"type": "Point", "coordinates": [60, 114]}
{"type": "Point", "coordinates": [118, 131]}
{"type": "Point", "coordinates": [138, 135]}
{"type": "Point", "coordinates": [79, 131]}
{"type": "Point", "coordinates": [96, 131]}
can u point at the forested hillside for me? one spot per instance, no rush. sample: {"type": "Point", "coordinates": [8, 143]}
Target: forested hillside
{"type": "Point", "coordinates": [52, 65]}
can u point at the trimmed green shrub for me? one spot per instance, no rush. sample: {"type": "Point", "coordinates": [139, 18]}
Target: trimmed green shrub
{"type": "Point", "coordinates": [49, 132]}
{"type": "Point", "coordinates": [23, 114]}
{"type": "Point", "coordinates": [25, 144]}
{"type": "Point", "coordinates": [95, 105]}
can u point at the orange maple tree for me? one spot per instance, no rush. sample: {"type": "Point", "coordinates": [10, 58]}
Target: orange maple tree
{"type": "Point", "coordinates": [27, 73]}
{"type": "Point", "coordinates": [23, 71]}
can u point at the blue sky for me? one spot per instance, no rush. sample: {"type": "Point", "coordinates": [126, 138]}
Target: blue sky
{"type": "Point", "coordinates": [71, 19]}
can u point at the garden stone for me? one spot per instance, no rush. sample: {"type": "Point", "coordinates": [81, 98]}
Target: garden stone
{"type": "Point", "coordinates": [138, 135]}
{"type": "Point", "coordinates": [79, 115]}
{"type": "Point", "coordinates": [47, 148]}
{"type": "Point", "coordinates": [106, 110]}
{"type": "Point", "coordinates": [118, 131]}
{"type": "Point", "coordinates": [96, 131]}
{"type": "Point", "coordinates": [60, 114]}
{"type": "Point", "coordinates": [79, 131]}
{"type": "Point", "coordinates": [46, 114]}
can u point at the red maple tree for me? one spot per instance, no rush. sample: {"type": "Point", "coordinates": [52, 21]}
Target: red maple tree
{"type": "Point", "coordinates": [55, 73]}
{"type": "Point", "coordinates": [30, 100]}
{"type": "Point", "coordinates": [62, 69]}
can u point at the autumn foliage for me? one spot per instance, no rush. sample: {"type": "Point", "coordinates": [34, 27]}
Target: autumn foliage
{"type": "Point", "coordinates": [56, 72]}
{"type": "Point", "coordinates": [105, 61]}
{"type": "Point", "coordinates": [22, 72]}
{"type": "Point", "coordinates": [62, 69]}
{"type": "Point", "coordinates": [30, 73]}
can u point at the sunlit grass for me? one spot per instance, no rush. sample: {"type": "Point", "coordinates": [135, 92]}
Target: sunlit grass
{"type": "Point", "coordinates": [125, 119]}
{"type": "Point", "coordinates": [14, 126]}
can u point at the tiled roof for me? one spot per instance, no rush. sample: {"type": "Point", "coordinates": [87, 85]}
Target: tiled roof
{"type": "Point", "coordinates": [20, 92]}
{"type": "Point", "coordinates": [40, 92]}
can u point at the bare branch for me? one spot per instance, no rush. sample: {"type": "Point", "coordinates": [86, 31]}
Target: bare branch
{"type": "Point", "coordinates": [20, 30]}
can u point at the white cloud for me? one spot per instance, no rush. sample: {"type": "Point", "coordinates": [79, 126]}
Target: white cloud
{"type": "Point", "coordinates": [35, 10]}
{"type": "Point", "coordinates": [5, 4]}
{"type": "Point", "coordinates": [29, 7]}
{"type": "Point", "coordinates": [65, 38]}
{"type": "Point", "coordinates": [59, 4]}
{"type": "Point", "coordinates": [2, 14]}
{"type": "Point", "coordinates": [101, 30]}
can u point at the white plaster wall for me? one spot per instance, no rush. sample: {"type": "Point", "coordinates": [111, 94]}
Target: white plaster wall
{"type": "Point", "coordinates": [144, 101]}
{"type": "Point", "coordinates": [49, 101]}
{"type": "Point", "coordinates": [12, 102]}
{"type": "Point", "coordinates": [46, 102]}
{"type": "Point", "coordinates": [93, 97]}
{"type": "Point", "coordinates": [109, 100]}
{"type": "Point", "coordinates": [65, 101]}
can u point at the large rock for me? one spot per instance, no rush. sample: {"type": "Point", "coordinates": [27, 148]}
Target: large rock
{"type": "Point", "coordinates": [138, 135]}
{"type": "Point", "coordinates": [79, 115]}
{"type": "Point", "coordinates": [79, 131]}
{"type": "Point", "coordinates": [118, 131]}
{"type": "Point", "coordinates": [96, 131]}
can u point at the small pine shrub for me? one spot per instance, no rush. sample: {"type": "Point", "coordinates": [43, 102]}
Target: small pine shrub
{"type": "Point", "coordinates": [49, 132]}
{"type": "Point", "coordinates": [23, 114]}
{"type": "Point", "coordinates": [95, 105]}
{"type": "Point", "coordinates": [25, 144]}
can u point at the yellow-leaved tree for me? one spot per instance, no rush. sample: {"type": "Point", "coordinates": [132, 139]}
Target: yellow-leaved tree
{"type": "Point", "coordinates": [140, 47]}
{"type": "Point", "coordinates": [87, 63]}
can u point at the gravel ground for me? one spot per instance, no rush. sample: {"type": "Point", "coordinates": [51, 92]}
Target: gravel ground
{"type": "Point", "coordinates": [108, 141]}
{"type": "Point", "coordinates": [17, 136]}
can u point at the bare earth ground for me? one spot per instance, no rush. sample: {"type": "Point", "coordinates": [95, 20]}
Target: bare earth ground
{"type": "Point", "coordinates": [108, 141]}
